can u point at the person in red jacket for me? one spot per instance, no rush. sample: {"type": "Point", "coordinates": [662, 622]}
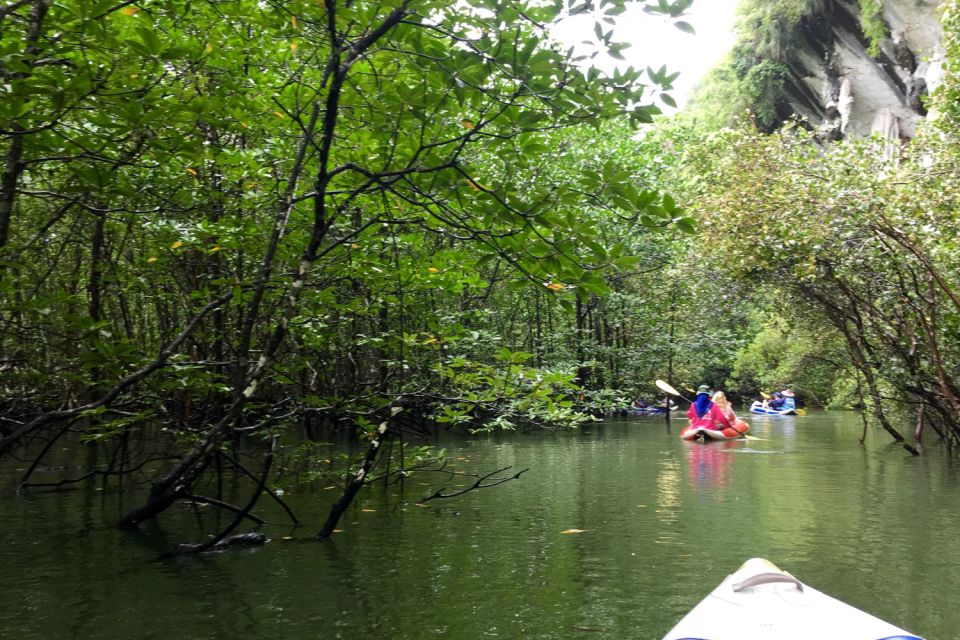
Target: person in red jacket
{"type": "Point", "coordinates": [703, 413]}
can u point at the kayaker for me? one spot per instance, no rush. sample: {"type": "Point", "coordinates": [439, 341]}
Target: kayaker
{"type": "Point", "coordinates": [726, 416]}
{"type": "Point", "coordinates": [789, 400]}
{"type": "Point", "coordinates": [777, 402]}
{"type": "Point", "coordinates": [703, 412]}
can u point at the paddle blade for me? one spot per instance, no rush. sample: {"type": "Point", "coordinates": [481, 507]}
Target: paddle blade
{"type": "Point", "coordinates": [801, 412]}
{"type": "Point", "coordinates": [764, 395]}
{"type": "Point", "coordinates": [663, 386]}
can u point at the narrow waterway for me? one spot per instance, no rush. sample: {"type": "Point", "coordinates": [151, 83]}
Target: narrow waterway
{"type": "Point", "coordinates": [660, 521]}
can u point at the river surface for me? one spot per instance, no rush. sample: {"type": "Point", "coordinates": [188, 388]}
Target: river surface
{"type": "Point", "coordinates": [615, 532]}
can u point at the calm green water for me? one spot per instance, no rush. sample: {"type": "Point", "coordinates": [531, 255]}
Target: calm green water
{"type": "Point", "coordinates": [664, 520]}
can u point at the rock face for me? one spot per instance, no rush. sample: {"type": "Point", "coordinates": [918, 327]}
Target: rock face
{"type": "Point", "coordinates": [843, 91]}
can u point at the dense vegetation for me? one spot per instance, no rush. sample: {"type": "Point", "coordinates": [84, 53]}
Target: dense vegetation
{"type": "Point", "coordinates": [856, 241]}
{"type": "Point", "coordinates": [242, 217]}
{"type": "Point", "coordinates": [249, 221]}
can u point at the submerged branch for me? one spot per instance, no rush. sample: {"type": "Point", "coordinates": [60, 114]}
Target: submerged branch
{"type": "Point", "coordinates": [476, 485]}
{"type": "Point", "coordinates": [224, 505]}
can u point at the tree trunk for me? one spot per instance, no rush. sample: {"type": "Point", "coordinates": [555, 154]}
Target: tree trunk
{"type": "Point", "coordinates": [13, 163]}
{"type": "Point", "coordinates": [354, 484]}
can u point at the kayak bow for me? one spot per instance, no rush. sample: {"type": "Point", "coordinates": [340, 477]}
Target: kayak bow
{"type": "Point", "coordinates": [761, 602]}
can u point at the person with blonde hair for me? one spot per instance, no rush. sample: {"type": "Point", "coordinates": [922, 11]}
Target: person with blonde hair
{"type": "Point", "coordinates": [725, 416]}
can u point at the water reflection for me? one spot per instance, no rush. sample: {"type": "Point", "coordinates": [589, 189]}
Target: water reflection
{"type": "Point", "coordinates": [668, 502]}
{"type": "Point", "coordinates": [708, 463]}
{"type": "Point", "coordinates": [782, 428]}
{"type": "Point", "coordinates": [662, 520]}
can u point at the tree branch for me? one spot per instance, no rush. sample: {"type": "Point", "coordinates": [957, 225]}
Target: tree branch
{"type": "Point", "coordinates": [476, 485]}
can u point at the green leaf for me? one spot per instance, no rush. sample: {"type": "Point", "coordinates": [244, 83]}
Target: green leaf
{"type": "Point", "coordinates": [669, 204]}
{"type": "Point", "coordinates": [687, 225]}
{"type": "Point", "coordinates": [627, 262]}
{"type": "Point", "coordinates": [151, 43]}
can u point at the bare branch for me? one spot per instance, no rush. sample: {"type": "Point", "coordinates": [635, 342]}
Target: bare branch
{"type": "Point", "coordinates": [476, 485]}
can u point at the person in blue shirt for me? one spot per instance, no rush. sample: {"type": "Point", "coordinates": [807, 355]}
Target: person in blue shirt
{"type": "Point", "coordinates": [777, 402]}
{"type": "Point", "coordinates": [789, 400]}
{"type": "Point", "coordinates": [783, 401]}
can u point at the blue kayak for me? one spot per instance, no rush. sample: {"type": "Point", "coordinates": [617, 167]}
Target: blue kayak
{"type": "Point", "coordinates": [758, 408]}
{"type": "Point", "coordinates": [649, 411]}
{"type": "Point", "coordinates": [762, 602]}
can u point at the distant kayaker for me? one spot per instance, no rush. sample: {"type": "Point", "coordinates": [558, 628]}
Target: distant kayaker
{"type": "Point", "coordinates": [789, 400]}
{"type": "Point", "coordinates": [777, 402]}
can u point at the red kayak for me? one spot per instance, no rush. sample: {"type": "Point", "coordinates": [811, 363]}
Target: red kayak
{"type": "Point", "coordinates": [703, 434]}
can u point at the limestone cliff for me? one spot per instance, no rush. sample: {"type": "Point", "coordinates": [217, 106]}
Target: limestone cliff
{"type": "Point", "coordinates": [845, 92]}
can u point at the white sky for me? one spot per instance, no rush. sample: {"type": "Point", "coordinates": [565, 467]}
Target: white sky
{"type": "Point", "coordinates": [655, 42]}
